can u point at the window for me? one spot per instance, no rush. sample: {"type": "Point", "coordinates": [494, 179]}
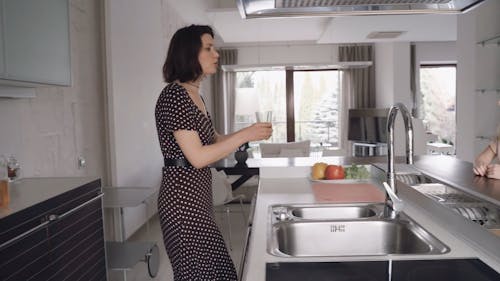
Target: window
{"type": "Point", "coordinates": [438, 88]}
{"type": "Point", "coordinates": [316, 104]}
{"type": "Point", "coordinates": [305, 103]}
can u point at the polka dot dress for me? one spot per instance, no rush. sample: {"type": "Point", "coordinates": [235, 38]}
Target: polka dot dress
{"type": "Point", "coordinates": [193, 242]}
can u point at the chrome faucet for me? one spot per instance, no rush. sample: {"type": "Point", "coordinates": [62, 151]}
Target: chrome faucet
{"type": "Point", "coordinates": [392, 199]}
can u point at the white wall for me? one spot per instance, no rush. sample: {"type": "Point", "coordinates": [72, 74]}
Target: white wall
{"type": "Point", "coordinates": [384, 79]}
{"type": "Point", "coordinates": [487, 60]}
{"type": "Point", "coordinates": [49, 132]}
{"type": "Point", "coordinates": [392, 73]}
{"type": "Point", "coordinates": [478, 67]}
{"type": "Point", "coordinates": [281, 54]}
{"type": "Point", "coordinates": [136, 44]}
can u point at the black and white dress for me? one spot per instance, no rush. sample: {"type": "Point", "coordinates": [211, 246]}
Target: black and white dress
{"type": "Point", "coordinates": [193, 241]}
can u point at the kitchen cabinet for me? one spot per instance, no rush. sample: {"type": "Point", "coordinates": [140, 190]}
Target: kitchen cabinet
{"type": "Point", "coordinates": [61, 238]}
{"type": "Point", "coordinates": [35, 45]}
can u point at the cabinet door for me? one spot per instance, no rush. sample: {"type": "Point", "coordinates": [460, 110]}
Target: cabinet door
{"type": "Point", "coordinates": [36, 41]}
{"type": "Point", "coordinates": [17, 260]}
{"type": "Point", "coordinates": [77, 245]}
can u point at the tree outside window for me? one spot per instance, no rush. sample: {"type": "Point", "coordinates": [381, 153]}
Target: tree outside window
{"type": "Point", "coordinates": [438, 88]}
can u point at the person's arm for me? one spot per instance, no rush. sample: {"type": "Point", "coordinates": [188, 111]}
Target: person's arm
{"type": "Point", "coordinates": [484, 159]}
{"type": "Point", "coordinates": [200, 155]}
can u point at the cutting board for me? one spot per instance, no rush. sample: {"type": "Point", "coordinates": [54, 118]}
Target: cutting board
{"type": "Point", "coordinates": [347, 193]}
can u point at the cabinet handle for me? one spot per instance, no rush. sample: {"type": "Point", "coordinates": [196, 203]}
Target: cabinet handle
{"type": "Point", "coordinates": [26, 233]}
{"type": "Point", "coordinates": [54, 217]}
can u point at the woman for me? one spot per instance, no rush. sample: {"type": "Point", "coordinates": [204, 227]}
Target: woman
{"type": "Point", "coordinates": [189, 143]}
{"type": "Point", "coordinates": [483, 165]}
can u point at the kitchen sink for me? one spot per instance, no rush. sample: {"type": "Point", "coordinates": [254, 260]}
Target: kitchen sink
{"type": "Point", "coordinates": [326, 211]}
{"type": "Point", "coordinates": [376, 236]}
{"type": "Point", "coordinates": [334, 212]}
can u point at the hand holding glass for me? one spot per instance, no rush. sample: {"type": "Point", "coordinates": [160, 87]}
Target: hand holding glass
{"type": "Point", "coordinates": [264, 116]}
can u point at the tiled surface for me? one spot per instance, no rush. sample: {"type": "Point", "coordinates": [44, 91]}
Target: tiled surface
{"type": "Point", "coordinates": [140, 271]}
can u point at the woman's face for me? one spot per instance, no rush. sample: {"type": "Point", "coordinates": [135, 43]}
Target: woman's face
{"type": "Point", "coordinates": [208, 56]}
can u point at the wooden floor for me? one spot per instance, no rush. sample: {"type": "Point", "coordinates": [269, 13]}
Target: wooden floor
{"type": "Point", "coordinates": [140, 271]}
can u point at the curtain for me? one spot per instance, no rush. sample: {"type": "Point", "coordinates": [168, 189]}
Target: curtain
{"type": "Point", "coordinates": [223, 88]}
{"type": "Point", "coordinates": [358, 83]}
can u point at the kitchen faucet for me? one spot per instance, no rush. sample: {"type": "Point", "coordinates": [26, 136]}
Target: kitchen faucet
{"type": "Point", "coordinates": [393, 202]}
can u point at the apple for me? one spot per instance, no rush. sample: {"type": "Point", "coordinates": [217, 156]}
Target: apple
{"type": "Point", "coordinates": [318, 171]}
{"type": "Point", "coordinates": [334, 172]}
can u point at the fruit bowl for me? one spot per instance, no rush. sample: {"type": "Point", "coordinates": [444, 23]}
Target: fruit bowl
{"type": "Point", "coordinates": [340, 181]}
{"type": "Point", "coordinates": [323, 172]}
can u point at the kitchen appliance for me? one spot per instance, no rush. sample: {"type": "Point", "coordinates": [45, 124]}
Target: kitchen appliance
{"type": "Point", "coordinates": [308, 8]}
{"type": "Point", "coordinates": [368, 125]}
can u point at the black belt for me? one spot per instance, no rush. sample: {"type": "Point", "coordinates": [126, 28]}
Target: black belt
{"type": "Point", "coordinates": [182, 162]}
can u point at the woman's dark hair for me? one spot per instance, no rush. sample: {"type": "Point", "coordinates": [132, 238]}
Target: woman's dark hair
{"type": "Point", "coordinates": [182, 57]}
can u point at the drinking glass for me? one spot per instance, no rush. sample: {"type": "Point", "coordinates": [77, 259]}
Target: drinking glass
{"type": "Point", "coordinates": [264, 116]}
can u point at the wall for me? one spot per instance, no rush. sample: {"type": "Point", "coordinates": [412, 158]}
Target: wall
{"type": "Point", "coordinates": [477, 68]}
{"type": "Point", "coordinates": [136, 43]}
{"type": "Point", "coordinates": [392, 68]}
{"type": "Point", "coordinates": [487, 59]}
{"type": "Point", "coordinates": [49, 132]}
{"type": "Point", "coordinates": [252, 55]}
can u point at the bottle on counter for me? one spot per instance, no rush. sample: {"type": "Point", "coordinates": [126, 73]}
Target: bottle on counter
{"type": "Point", "coordinates": [4, 182]}
{"type": "Point", "coordinates": [12, 168]}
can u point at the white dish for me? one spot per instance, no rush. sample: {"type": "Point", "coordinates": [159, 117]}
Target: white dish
{"type": "Point", "coordinates": [340, 181]}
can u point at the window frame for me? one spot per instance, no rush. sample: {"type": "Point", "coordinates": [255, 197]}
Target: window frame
{"type": "Point", "coordinates": [290, 100]}
{"type": "Point", "coordinates": [420, 93]}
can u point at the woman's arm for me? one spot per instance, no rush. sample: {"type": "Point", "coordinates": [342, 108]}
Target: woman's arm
{"type": "Point", "coordinates": [200, 155]}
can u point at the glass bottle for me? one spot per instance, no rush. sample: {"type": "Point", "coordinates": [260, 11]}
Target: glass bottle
{"type": "Point", "coordinates": [4, 182]}
{"type": "Point", "coordinates": [12, 168]}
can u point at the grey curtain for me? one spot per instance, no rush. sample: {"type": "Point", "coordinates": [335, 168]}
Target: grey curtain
{"type": "Point", "coordinates": [358, 83]}
{"type": "Point", "coordinates": [223, 88]}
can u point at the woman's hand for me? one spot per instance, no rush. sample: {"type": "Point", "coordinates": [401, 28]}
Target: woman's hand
{"type": "Point", "coordinates": [493, 171]}
{"type": "Point", "coordinates": [480, 169]}
{"type": "Point", "coordinates": [259, 131]}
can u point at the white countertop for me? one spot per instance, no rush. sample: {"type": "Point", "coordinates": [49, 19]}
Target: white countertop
{"type": "Point", "coordinates": [289, 185]}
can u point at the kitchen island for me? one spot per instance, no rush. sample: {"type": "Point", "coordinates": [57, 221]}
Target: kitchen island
{"type": "Point", "coordinates": [285, 181]}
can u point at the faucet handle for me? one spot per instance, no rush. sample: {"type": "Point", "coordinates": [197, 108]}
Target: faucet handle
{"type": "Point", "coordinates": [397, 203]}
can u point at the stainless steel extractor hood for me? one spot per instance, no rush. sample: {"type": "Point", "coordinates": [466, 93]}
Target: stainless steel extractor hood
{"type": "Point", "coordinates": [310, 8]}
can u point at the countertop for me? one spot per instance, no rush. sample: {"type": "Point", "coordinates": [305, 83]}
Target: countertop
{"type": "Point", "coordinates": [443, 168]}
{"type": "Point", "coordinates": [27, 192]}
{"type": "Point", "coordinates": [284, 181]}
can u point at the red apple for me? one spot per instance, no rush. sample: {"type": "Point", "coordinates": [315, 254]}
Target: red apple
{"type": "Point", "coordinates": [334, 172]}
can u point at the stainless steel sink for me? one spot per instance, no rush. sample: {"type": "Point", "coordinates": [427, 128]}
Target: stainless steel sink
{"type": "Point", "coordinates": [332, 211]}
{"type": "Point", "coordinates": [352, 238]}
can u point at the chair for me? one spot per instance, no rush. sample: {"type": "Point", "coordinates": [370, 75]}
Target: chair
{"type": "Point", "coordinates": [287, 149]}
{"type": "Point", "coordinates": [222, 194]}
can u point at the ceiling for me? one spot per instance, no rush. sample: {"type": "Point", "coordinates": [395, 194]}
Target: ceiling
{"type": "Point", "coordinates": [231, 29]}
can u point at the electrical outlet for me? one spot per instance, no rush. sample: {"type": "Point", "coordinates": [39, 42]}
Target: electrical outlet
{"type": "Point", "coordinates": [82, 163]}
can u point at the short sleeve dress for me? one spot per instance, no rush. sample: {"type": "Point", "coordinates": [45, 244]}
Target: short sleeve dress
{"type": "Point", "coordinates": [192, 239]}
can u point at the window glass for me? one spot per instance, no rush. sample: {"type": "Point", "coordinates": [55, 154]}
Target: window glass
{"type": "Point", "coordinates": [261, 91]}
{"type": "Point", "coordinates": [316, 99]}
{"type": "Point", "coordinates": [316, 102]}
{"type": "Point", "coordinates": [438, 88]}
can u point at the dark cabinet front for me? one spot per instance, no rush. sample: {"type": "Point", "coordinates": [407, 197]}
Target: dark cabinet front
{"type": "Point", "coordinates": [67, 243]}
{"type": "Point", "coordinates": [407, 270]}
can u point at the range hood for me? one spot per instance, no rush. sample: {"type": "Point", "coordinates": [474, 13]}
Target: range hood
{"type": "Point", "coordinates": [328, 8]}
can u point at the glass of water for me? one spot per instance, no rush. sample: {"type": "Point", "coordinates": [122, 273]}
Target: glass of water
{"type": "Point", "coordinates": [264, 116]}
